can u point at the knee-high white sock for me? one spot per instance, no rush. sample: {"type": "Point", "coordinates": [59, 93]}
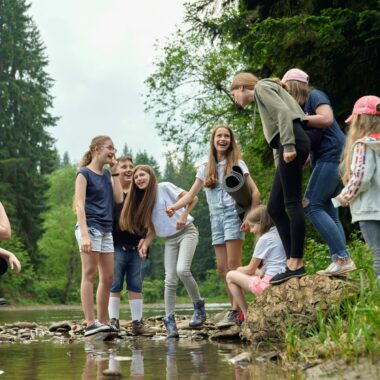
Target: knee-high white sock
{"type": "Point", "coordinates": [136, 309]}
{"type": "Point", "coordinates": [114, 307]}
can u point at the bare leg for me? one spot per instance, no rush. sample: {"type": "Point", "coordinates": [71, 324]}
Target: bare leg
{"type": "Point", "coordinates": [221, 265]}
{"type": "Point", "coordinates": [238, 282]}
{"type": "Point", "coordinates": [89, 266]}
{"type": "Point", "coordinates": [106, 264]}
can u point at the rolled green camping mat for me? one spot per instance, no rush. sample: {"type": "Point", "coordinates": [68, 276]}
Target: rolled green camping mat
{"type": "Point", "coordinates": [236, 185]}
{"type": "Point", "coordinates": [3, 266]}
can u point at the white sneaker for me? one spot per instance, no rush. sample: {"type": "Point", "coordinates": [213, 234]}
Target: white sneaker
{"type": "Point", "coordinates": [335, 269]}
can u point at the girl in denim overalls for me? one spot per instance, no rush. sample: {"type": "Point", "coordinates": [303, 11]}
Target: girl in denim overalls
{"type": "Point", "coordinates": [226, 227]}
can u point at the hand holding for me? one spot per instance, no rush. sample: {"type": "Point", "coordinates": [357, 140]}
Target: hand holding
{"type": "Point", "coordinates": [170, 211]}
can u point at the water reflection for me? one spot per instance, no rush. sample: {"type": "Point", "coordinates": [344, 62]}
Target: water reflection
{"type": "Point", "coordinates": [105, 359]}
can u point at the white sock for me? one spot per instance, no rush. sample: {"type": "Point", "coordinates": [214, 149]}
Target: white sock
{"type": "Point", "coordinates": [136, 309]}
{"type": "Point", "coordinates": [114, 307]}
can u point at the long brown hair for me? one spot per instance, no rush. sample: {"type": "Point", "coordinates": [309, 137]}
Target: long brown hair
{"type": "Point", "coordinates": [232, 157]}
{"type": "Point", "coordinates": [299, 90]}
{"type": "Point", "coordinates": [260, 215]}
{"type": "Point", "coordinates": [361, 125]}
{"type": "Point", "coordinates": [95, 142]}
{"type": "Point", "coordinates": [136, 214]}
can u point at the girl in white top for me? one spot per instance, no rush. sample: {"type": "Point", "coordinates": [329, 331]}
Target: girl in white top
{"type": "Point", "coordinates": [144, 212]}
{"type": "Point", "coordinates": [268, 259]}
{"type": "Point", "coordinates": [226, 227]}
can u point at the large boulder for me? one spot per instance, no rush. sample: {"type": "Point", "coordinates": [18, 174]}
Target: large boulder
{"type": "Point", "coordinates": [296, 302]}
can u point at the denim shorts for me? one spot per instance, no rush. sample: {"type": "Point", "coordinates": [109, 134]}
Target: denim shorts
{"type": "Point", "coordinates": [130, 266]}
{"type": "Point", "coordinates": [100, 241]}
{"type": "Point", "coordinates": [225, 225]}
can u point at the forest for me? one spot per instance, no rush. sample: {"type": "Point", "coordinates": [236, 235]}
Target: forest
{"type": "Point", "coordinates": [335, 42]}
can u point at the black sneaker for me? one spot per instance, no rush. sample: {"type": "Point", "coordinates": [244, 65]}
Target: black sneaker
{"type": "Point", "coordinates": [96, 328]}
{"type": "Point", "coordinates": [287, 275]}
{"type": "Point", "coordinates": [114, 325]}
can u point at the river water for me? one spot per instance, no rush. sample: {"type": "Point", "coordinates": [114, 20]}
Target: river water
{"type": "Point", "coordinates": [133, 358]}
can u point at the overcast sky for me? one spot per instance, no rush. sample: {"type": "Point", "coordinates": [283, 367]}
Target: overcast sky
{"type": "Point", "coordinates": [100, 53]}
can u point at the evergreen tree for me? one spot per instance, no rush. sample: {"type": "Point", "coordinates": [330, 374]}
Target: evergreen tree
{"type": "Point", "coordinates": [26, 147]}
{"type": "Point", "coordinates": [142, 157]}
{"type": "Point", "coordinates": [65, 160]}
{"type": "Point", "coordinates": [60, 268]}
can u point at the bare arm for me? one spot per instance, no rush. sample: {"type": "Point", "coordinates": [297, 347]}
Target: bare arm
{"type": "Point", "coordinates": [5, 226]}
{"type": "Point", "coordinates": [116, 185]}
{"type": "Point", "coordinates": [324, 117]}
{"type": "Point", "coordinates": [181, 222]}
{"type": "Point", "coordinates": [80, 199]}
{"type": "Point", "coordinates": [252, 267]}
{"type": "Point", "coordinates": [255, 192]}
{"type": "Point", "coordinates": [144, 243]}
{"type": "Point", "coordinates": [186, 199]}
{"type": "Point", "coordinates": [14, 263]}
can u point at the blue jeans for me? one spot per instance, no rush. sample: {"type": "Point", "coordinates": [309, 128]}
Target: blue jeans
{"type": "Point", "coordinates": [129, 265]}
{"type": "Point", "coordinates": [323, 185]}
{"type": "Point", "coordinates": [371, 232]}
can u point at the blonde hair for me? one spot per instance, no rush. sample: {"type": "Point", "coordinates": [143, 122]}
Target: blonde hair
{"type": "Point", "coordinates": [260, 215]}
{"type": "Point", "coordinates": [137, 210]}
{"type": "Point", "coordinates": [232, 157]}
{"type": "Point", "coordinates": [246, 80]}
{"type": "Point", "coordinates": [361, 125]}
{"type": "Point", "coordinates": [299, 91]}
{"type": "Point", "coordinates": [95, 142]}
{"type": "Point", "coordinates": [249, 81]}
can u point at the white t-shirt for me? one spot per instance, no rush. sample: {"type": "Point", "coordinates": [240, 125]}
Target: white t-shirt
{"type": "Point", "coordinates": [220, 167]}
{"type": "Point", "coordinates": [269, 248]}
{"type": "Point", "coordinates": [167, 194]}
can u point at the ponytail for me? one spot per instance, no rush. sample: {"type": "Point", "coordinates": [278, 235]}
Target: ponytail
{"type": "Point", "coordinates": [86, 159]}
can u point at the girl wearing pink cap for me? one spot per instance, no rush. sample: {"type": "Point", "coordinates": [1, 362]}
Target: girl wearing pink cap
{"type": "Point", "coordinates": [327, 141]}
{"type": "Point", "coordinates": [268, 259]}
{"type": "Point", "coordinates": [361, 172]}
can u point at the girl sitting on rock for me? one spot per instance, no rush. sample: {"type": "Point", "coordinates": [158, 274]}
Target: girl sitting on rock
{"type": "Point", "coordinates": [268, 259]}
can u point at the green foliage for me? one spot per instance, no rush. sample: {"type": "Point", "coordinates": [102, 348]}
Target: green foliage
{"type": "Point", "coordinates": [60, 271]}
{"type": "Point", "coordinates": [26, 148]}
{"type": "Point", "coordinates": [142, 157]}
{"type": "Point", "coordinates": [354, 329]}
{"type": "Point", "coordinates": [153, 290]}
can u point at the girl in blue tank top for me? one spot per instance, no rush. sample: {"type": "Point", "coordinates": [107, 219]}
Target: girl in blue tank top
{"type": "Point", "coordinates": [94, 195]}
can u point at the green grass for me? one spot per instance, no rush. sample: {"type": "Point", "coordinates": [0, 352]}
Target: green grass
{"type": "Point", "coordinates": [354, 330]}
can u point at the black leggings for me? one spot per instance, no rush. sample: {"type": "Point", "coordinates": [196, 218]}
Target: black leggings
{"type": "Point", "coordinates": [285, 200]}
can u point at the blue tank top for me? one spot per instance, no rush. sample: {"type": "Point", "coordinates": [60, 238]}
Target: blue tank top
{"type": "Point", "coordinates": [99, 199]}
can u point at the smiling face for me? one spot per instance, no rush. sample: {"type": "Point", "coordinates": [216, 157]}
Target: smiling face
{"type": "Point", "coordinates": [141, 179]}
{"type": "Point", "coordinates": [222, 141]}
{"type": "Point", "coordinates": [125, 169]}
{"type": "Point", "coordinates": [106, 152]}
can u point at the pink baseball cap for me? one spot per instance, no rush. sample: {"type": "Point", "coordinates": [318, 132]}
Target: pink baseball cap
{"type": "Point", "coordinates": [295, 74]}
{"type": "Point", "coordinates": [365, 105]}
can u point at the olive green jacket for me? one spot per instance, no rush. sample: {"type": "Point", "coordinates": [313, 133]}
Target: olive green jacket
{"type": "Point", "coordinates": [278, 109]}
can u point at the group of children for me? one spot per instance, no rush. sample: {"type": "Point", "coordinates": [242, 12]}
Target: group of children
{"type": "Point", "coordinates": [122, 210]}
